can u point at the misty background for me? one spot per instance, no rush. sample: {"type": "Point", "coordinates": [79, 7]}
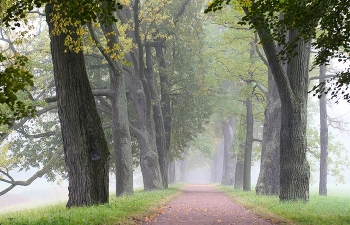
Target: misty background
{"type": "Point", "coordinates": [43, 192]}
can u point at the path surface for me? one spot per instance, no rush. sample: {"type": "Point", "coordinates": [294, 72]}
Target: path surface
{"type": "Point", "coordinates": [202, 204]}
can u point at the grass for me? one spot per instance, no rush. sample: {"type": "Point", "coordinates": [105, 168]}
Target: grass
{"type": "Point", "coordinates": [120, 210]}
{"type": "Point", "coordinates": [320, 210]}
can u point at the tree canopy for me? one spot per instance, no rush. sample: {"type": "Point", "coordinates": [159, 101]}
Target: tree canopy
{"type": "Point", "coordinates": [326, 22]}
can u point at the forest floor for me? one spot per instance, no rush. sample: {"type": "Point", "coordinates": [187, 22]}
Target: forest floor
{"type": "Point", "coordinates": [203, 204]}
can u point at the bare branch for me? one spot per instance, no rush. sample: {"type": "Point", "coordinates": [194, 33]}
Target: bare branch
{"type": "Point", "coordinates": [324, 77]}
{"type": "Point", "coordinates": [26, 135]}
{"type": "Point", "coordinates": [257, 140]}
{"type": "Point", "coordinates": [38, 174]}
{"type": "Point", "coordinates": [38, 12]}
{"type": "Point", "coordinates": [337, 123]}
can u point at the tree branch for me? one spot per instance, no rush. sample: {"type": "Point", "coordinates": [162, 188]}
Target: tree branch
{"type": "Point", "coordinates": [38, 174]}
{"type": "Point", "coordinates": [325, 77]}
{"type": "Point", "coordinates": [257, 140]}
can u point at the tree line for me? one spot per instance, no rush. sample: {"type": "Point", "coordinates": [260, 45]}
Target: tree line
{"type": "Point", "coordinates": [132, 81]}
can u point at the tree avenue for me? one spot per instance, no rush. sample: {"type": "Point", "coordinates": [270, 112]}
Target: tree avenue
{"type": "Point", "coordinates": [292, 84]}
{"type": "Point", "coordinates": [145, 65]}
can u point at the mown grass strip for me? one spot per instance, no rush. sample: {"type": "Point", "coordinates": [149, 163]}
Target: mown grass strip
{"type": "Point", "coordinates": [128, 209]}
{"type": "Point", "coordinates": [320, 210]}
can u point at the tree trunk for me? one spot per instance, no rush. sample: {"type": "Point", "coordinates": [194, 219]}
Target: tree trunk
{"type": "Point", "coordinates": [248, 146]}
{"type": "Point", "coordinates": [292, 87]}
{"type": "Point", "coordinates": [295, 171]}
{"type": "Point", "coordinates": [323, 137]}
{"type": "Point", "coordinates": [229, 162]}
{"type": "Point", "coordinates": [144, 129]}
{"type": "Point", "coordinates": [120, 123]}
{"type": "Point", "coordinates": [217, 165]}
{"type": "Point", "coordinates": [158, 118]}
{"type": "Point", "coordinates": [85, 147]}
{"type": "Point", "coordinates": [165, 98]}
{"type": "Point", "coordinates": [268, 181]}
{"type": "Point", "coordinates": [183, 166]}
{"type": "Point", "coordinates": [172, 172]}
{"type": "Point", "coordinates": [239, 173]}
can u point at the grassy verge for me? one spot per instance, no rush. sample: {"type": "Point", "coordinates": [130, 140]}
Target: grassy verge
{"type": "Point", "coordinates": [122, 210]}
{"type": "Point", "coordinates": [320, 210]}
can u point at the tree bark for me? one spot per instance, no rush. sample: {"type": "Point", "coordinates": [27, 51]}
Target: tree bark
{"type": "Point", "coordinates": [323, 137]}
{"type": "Point", "coordinates": [268, 181]}
{"type": "Point", "coordinates": [248, 147]}
{"type": "Point", "coordinates": [239, 173]}
{"type": "Point", "coordinates": [229, 162]}
{"type": "Point", "coordinates": [144, 129]}
{"type": "Point", "coordinates": [292, 86]}
{"type": "Point", "coordinates": [165, 98]}
{"type": "Point", "coordinates": [85, 147]}
{"type": "Point", "coordinates": [120, 121]}
{"type": "Point", "coordinates": [172, 172]}
{"type": "Point", "coordinates": [158, 118]}
{"type": "Point", "coordinates": [183, 166]}
{"type": "Point", "coordinates": [217, 165]}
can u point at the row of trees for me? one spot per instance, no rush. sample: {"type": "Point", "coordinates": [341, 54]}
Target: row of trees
{"type": "Point", "coordinates": [129, 90]}
{"type": "Point", "coordinates": [136, 82]}
{"type": "Point", "coordinates": [287, 30]}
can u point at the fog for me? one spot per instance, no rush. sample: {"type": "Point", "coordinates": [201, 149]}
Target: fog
{"type": "Point", "coordinates": [42, 192]}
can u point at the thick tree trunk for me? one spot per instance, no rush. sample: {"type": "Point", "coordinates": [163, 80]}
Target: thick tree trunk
{"type": "Point", "coordinates": [229, 162]}
{"type": "Point", "coordinates": [268, 181]}
{"type": "Point", "coordinates": [85, 147]}
{"type": "Point", "coordinates": [158, 118]}
{"type": "Point", "coordinates": [323, 137]}
{"type": "Point", "coordinates": [120, 123]}
{"type": "Point", "coordinates": [165, 98]}
{"type": "Point", "coordinates": [144, 129]}
{"type": "Point", "coordinates": [295, 171]}
{"type": "Point", "coordinates": [248, 147]}
{"type": "Point", "coordinates": [292, 87]}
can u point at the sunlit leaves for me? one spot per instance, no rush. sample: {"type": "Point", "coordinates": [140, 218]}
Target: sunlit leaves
{"type": "Point", "coordinates": [7, 161]}
{"type": "Point", "coordinates": [327, 23]}
{"type": "Point", "coordinates": [83, 11]}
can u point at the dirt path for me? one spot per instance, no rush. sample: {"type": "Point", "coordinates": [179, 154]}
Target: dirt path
{"type": "Point", "coordinates": [202, 204]}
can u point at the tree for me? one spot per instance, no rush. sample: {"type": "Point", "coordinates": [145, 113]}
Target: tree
{"type": "Point", "coordinates": [229, 161]}
{"type": "Point", "coordinates": [268, 180]}
{"type": "Point", "coordinates": [85, 146]}
{"type": "Point", "coordinates": [119, 109]}
{"type": "Point", "coordinates": [323, 138]}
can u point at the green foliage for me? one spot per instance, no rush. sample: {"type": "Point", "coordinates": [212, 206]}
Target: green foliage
{"type": "Point", "coordinates": [325, 22]}
{"type": "Point", "coordinates": [319, 210]}
{"type": "Point", "coordinates": [79, 11]}
{"type": "Point", "coordinates": [14, 79]}
{"type": "Point", "coordinates": [128, 209]}
{"type": "Point", "coordinates": [191, 98]}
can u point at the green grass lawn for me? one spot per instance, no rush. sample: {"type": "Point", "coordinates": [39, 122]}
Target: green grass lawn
{"type": "Point", "coordinates": [333, 209]}
{"type": "Point", "coordinates": [122, 210]}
